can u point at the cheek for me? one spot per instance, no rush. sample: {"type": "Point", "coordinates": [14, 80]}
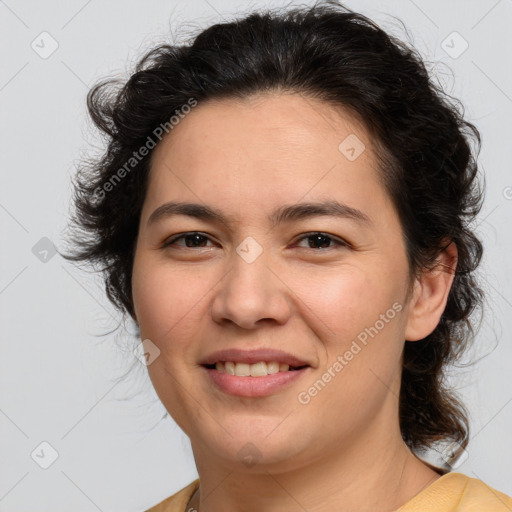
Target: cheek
{"type": "Point", "coordinates": [356, 313]}
{"type": "Point", "coordinates": [344, 301]}
{"type": "Point", "coordinates": [164, 299]}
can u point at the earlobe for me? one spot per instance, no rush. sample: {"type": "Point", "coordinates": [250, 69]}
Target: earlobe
{"type": "Point", "coordinates": [430, 295]}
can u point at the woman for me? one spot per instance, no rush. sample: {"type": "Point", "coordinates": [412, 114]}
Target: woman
{"type": "Point", "coordinates": [283, 211]}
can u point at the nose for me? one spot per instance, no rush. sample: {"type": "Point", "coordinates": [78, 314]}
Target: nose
{"type": "Point", "coordinates": [251, 293]}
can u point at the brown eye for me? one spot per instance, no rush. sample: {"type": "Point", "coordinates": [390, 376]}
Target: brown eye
{"type": "Point", "coordinates": [191, 240]}
{"type": "Point", "coordinates": [319, 240]}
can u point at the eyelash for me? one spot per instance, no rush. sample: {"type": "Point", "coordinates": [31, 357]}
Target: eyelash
{"type": "Point", "coordinates": [336, 240]}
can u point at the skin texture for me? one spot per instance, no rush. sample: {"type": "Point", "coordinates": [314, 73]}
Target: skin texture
{"type": "Point", "coordinates": [344, 447]}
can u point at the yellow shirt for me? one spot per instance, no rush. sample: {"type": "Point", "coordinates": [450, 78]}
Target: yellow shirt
{"type": "Point", "coordinates": [453, 492]}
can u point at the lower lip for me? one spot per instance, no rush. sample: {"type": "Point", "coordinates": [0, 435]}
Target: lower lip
{"type": "Point", "coordinates": [254, 386]}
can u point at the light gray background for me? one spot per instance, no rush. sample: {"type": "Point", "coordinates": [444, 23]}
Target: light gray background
{"type": "Point", "coordinates": [58, 379]}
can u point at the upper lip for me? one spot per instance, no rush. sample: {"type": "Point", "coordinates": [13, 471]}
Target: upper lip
{"type": "Point", "coordinates": [253, 356]}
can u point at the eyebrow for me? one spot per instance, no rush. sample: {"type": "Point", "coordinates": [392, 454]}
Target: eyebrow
{"type": "Point", "coordinates": [287, 213]}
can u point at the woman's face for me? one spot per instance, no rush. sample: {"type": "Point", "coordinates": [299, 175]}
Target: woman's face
{"type": "Point", "coordinates": [261, 279]}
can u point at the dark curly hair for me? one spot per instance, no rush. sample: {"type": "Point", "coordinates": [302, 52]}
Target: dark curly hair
{"type": "Point", "coordinates": [427, 158]}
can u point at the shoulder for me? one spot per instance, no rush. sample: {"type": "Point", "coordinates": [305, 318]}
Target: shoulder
{"type": "Point", "coordinates": [456, 492]}
{"type": "Point", "coordinates": [477, 493]}
{"type": "Point", "coordinates": [178, 501]}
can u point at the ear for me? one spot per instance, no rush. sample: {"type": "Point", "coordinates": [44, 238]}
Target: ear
{"type": "Point", "coordinates": [430, 295]}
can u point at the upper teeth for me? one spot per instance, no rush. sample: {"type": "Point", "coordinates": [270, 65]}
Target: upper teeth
{"type": "Point", "coordinates": [254, 370]}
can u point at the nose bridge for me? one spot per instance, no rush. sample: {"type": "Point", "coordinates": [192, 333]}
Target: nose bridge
{"type": "Point", "coordinates": [250, 291]}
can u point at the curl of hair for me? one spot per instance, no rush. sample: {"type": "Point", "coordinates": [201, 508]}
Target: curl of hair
{"type": "Point", "coordinates": [341, 57]}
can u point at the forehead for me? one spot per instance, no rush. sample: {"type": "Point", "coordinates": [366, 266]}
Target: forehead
{"type": "Point", "coordinates": [287, 125]}
{"type": "Point", "coordinates": [262, 151]}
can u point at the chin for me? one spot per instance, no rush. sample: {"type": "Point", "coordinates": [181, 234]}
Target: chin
{"type": "Point", "coordinates": [252, 447]}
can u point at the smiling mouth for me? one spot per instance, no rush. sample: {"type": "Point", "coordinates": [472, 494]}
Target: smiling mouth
{"type": "Point", "coordinates": [260, 369]}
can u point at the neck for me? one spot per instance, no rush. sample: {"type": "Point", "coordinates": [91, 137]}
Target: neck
{"type": "Point", "coordinates": [376, 473]}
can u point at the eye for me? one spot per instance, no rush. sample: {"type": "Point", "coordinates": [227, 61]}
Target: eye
{"type": "Point", "coordinates": [191, 239]}
{"type": "Point", "coordinates": [323, 240]}
{"type": "Point", "coordinates": [195, 239]}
